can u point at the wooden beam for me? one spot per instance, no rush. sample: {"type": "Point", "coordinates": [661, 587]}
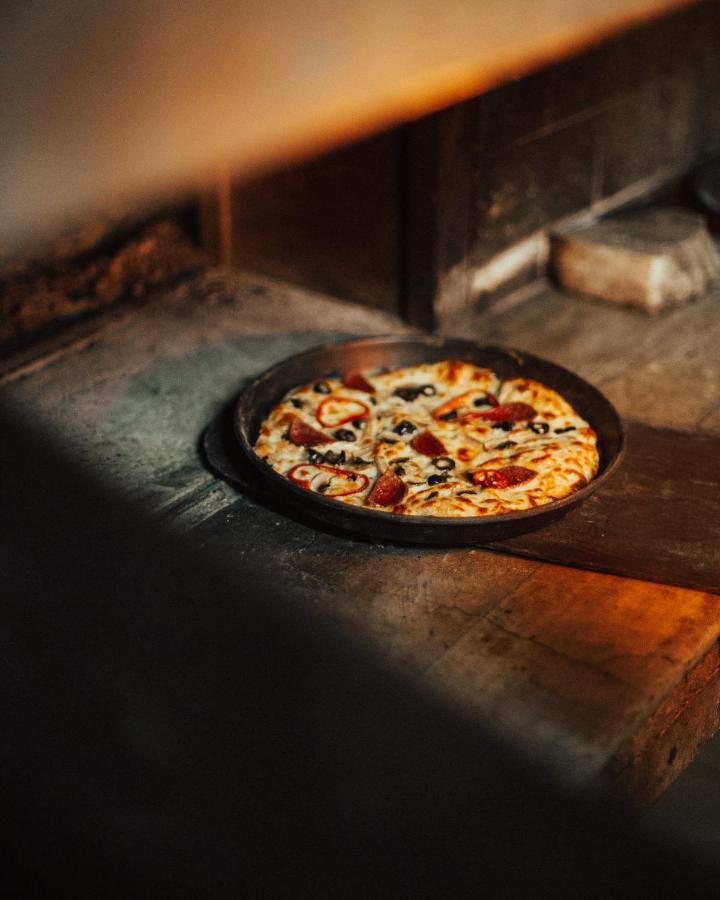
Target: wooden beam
{"type": "Point", "coordinates": [435, 179]}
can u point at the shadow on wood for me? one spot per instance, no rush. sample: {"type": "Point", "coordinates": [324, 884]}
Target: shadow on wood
{"type": "Point", "coordinates": [172, 728]}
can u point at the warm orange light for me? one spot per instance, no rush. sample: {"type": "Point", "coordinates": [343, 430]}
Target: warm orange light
{"type": "Point", "coordinates": [120, 100]}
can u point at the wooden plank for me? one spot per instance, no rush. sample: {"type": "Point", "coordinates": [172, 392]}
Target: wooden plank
{"type": "Point", "coordinates": [677, 512]}
{"type": "Point", "coordinates": [253, 85]}
{"type": "Point", "coordinates": [658, 518]}
{"type": "Point", "coordinates": [588, 671]}
{"type": "Point", "coordinates": [670, 739]}
{"type": "Point", "coordinates": [689, 812]}
{"type": "Point", "coordinates": [436, 177]}
{"type": "Point", "coordinates": [418, 221]}
{"type": "Point", "coordinates": [329, 225]}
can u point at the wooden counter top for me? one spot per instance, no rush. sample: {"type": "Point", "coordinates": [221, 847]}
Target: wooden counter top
{"type": "Point", "coordinates": [611, 682]}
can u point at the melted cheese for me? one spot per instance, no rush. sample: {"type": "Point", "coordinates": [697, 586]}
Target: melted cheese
{"type": "Point", "coordinates": [444, 399]}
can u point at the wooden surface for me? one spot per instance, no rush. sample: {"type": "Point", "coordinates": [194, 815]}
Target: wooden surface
{"type": "Point", "coordinates": [663, 371]}
{"type": "Point", "coordinates": [658, 518]}
{"type": "Point", "coordinates": [329, 224]}
{"type": "Point", "coordinates": [675, 521]}
{"type": "Point", "coordinates": [151, 96]}
{"type": "Point", "coordinates": [436, 167]}
{"type": "Point", "coordinates": [608, 681]}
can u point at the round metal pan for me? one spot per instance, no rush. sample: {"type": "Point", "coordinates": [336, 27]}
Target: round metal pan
{"type": "Point", "coordinates": [265, 391]}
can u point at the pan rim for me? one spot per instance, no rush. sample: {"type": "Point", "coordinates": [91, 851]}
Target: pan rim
{"type": "Point", "coordinates": [410, 523]}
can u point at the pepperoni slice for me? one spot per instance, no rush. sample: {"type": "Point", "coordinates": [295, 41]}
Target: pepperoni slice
{"type": "Point", "coordinates": [506, 412]}
{"type": "Point", "coordinates": [388, 490]}
{"type": "Point", "coordinates": [427, 444]}
{"type": "Point", "coordinates": [356, 381]}
{"type": "Point", "coordinates": [503, 478]}
{"type": "Point", "coordinates": [328, 480]}
{"type": "Point", "coordinates": [334, 411]}
{"type": "Point", "coordinates": [304, 435]}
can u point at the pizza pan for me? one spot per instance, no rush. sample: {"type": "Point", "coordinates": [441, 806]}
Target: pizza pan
{"type": "Point", "coordinates": [264, 392]}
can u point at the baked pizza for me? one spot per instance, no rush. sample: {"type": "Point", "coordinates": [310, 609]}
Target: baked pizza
{"type": "Point", "coordinates": [438, 439]}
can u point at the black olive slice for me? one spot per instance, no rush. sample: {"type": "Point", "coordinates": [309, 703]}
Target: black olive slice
{"type": "Point", "coordinates": [503, 426]}
{"type": "Point", "coordinates": [444, 463]}
{"type": "Point", "coordinates": [344, 434]}
{"type": "Point", "coordinates": [404, 427]}
{"type": "Point", "coordinates": [334, 459]}
{"type": "Point", "coordinates": [359, 461]}
{"type": "Point", "coordinates": [481, 401]}
{"type": "Point", "coordinates": [505, 445]}
{"type": "Point", "coordinates": [430, 496]}
{"type": "Point", "coordinates": [399, 470]}
{"type": "Point", "coordinates": [564, 430]}
{"type": "Point", "coordinates": [437, 479]}
{"type": "Point", "coordinates": [322, 387]}
{"type": "Point", "coordinates": [449, 416]}
{"type": "Point", "coordinates": [296, 402]}
{"type": "Point", "coordinates": [539, 427]}
{"type": "Point", "coordinates": [406, 393]}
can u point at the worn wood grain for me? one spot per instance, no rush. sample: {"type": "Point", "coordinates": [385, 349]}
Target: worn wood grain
{"type": "Point", "coordinates": [328, 225]}
{"type": "Point", "coordinates": [672, 736]}
{"type": "Point", "coordinates": [639, 634]}
{"type": "Point", "coordinates": [436, 178]}
{"type": "Point", "coordinates": [689, 810]}
{"type": "Point", "coordinates": [578, 664]}
{"type": "Point", "coordinates": [416, 604]}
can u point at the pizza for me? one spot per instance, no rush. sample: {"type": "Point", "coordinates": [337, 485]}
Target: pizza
{"type": "Point", "coordinates": [446, 439]}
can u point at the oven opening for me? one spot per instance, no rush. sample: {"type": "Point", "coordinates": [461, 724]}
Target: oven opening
{"type": "Point", "coordinates": [453, 617]}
